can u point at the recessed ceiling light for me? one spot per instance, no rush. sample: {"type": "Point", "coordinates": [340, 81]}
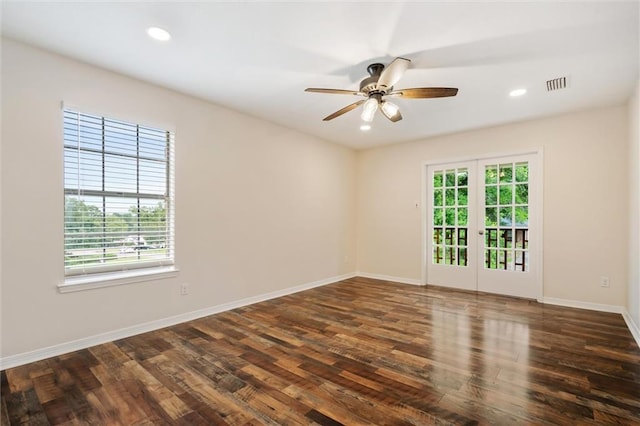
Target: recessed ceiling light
{"type": "Point", "coordinates": [365, 127]}
{"type": "Point", "coordinates": [517, 92]}
{"type": "Point", "coordinates": [158, 33]}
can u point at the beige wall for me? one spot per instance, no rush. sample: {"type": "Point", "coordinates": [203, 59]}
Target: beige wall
{"type": "Point", "coordinates": [259, 208]}
{"type": "Point", "coordinates": [633, 305]}
{"type": "Point", "coordinates": [585, 200]}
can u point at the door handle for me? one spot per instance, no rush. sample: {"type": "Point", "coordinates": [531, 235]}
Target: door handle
{"type": "Point", "coordinates": [481, 232]}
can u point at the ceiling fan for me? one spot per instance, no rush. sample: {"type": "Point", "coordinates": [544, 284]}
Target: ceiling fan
{"type": "Point", "coordinates": [379, 85]}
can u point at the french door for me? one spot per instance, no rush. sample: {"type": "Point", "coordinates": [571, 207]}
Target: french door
{"type": "Point", "coordinates": [482, 225]}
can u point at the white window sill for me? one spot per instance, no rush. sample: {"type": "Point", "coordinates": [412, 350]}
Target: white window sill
{"type": "Point", "coordinates": [111, 279]}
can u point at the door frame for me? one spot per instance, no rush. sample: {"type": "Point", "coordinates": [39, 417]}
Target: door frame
{"type": "Point", "coordinates": [538, 234]}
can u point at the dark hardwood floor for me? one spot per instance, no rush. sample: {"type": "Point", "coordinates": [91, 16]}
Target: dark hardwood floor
{"type": "Point", "coordinates": [360, 351]}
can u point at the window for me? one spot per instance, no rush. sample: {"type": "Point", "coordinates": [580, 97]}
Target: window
{"type": "Point", "coordinates": [118, 190]}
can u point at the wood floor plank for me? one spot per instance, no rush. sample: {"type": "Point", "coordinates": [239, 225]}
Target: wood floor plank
{"type": "Point", "coordinates": [357, 352]}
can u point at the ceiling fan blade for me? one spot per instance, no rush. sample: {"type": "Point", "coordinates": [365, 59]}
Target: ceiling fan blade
{"type": "Point", "coordinates": [392, 73]}
{"type": "Point", "coordinates": [333, 91]}
{"type": "Point", "coordinates": [343, 110]}
{"type": "Point", "coordinates": [425, 92]}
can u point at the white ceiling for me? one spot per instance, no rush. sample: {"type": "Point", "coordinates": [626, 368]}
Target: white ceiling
{"type": "Point", "coordinates": [258, 57]}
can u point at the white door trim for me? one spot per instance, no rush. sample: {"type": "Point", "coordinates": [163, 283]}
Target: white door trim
{"type": "Point", "coordinates": [426, 201]}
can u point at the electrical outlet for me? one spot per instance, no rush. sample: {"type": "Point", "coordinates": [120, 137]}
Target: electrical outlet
{"type": "Point", "coordinates": [604, 282]}
{"type": "Point", "coordinates": [184, 289]}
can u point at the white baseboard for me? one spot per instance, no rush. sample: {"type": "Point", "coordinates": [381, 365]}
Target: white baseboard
{"type": "Point", "coordinates": [86, 342]}
{"type": "Point", "coordinates": [633, 327]}
{"type": "Point", "coordinates": [412, 281]}
{"type": "Point", "coordinates": [582, 305]}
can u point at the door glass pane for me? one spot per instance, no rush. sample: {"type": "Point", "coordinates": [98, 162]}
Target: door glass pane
{"type": "Point", "coordinates": [437, 179]}
{"type": "Point", "coordinates": [506, 216]}
{"type": "Point", "coordinates": [462, 196]}
{"type": "Point", "coordinates": [491, 195]}
{"type": "Point", "coordinates": [506, 239]}
{"type": "Point", "coordinates": [437, 217]}
{"type": "Point", "coordinates": [451, 178]}
{"type": "Point", "coordinates": [522, 172]}
{"type": "Point", "coordinates": [450, 216]}
{"type": "Point", "coordinates": [437, 197]}
{"type": "Point", "coordinates": [506, 210]}
{"type": "Point", "coordinates": [491, 174]}
{"type": "Point", "coordinates": [462, 216]}
{"type": "Point", "coordinates": [450, 197]}
{"type": "Point", "coordinates": [491, 238]}
{"type": "Point", "coordinates": [522, 216]}
{"type": "Point", "coordinates": [463, 177]}
{"type": "Point", "coordinates": [506, 195]}
{"type": "Point", "coordinates": [522, 194]}
{"type": "Point", "coordinates": [506, 173]}
{"type": "Point", "coordinates": [490, 216]}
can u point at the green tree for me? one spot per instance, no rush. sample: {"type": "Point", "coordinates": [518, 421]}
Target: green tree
{"type": "Point", "coordinates": [82, 224]}
{"type": "Point", "coordinates": [117, 228]}
{"type": "Point", "coordinates": [150, 223]}
{"type": "Point", "coordinates": [128, 218]}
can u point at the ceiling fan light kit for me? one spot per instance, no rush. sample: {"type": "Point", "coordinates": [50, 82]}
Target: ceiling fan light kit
{"type": "Point", "coordinates": [369, 109]}
{"type": "Point", "coordinates": [380, 84]}
{"type": "Point", "coordinates": [390, 110]}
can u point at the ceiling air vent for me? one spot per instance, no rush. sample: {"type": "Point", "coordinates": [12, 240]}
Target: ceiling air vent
{"type": "Point", "coordinates": [556, 84]}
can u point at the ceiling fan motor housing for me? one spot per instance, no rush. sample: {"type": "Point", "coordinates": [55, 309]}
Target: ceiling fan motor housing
{"type": "Point", "coordinates": [369, 84]}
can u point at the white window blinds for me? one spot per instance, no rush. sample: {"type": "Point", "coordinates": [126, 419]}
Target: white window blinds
{"type": "Point", "coordinates": [118, 180]}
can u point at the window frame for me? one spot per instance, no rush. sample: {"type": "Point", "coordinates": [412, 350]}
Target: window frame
{"type": "Point", "coordinates": [94, 276]}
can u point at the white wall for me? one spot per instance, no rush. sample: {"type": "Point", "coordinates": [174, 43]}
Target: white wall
{"type": "Point", "coordinates": [633, 305]}
{"type": "Point", "coordinates": [585, 200]}
{"type": "Point", "coordinates": [260, 208]}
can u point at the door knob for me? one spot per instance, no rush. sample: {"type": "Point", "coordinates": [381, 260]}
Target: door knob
{"type": "Point", "coordinates": [481, 232]}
